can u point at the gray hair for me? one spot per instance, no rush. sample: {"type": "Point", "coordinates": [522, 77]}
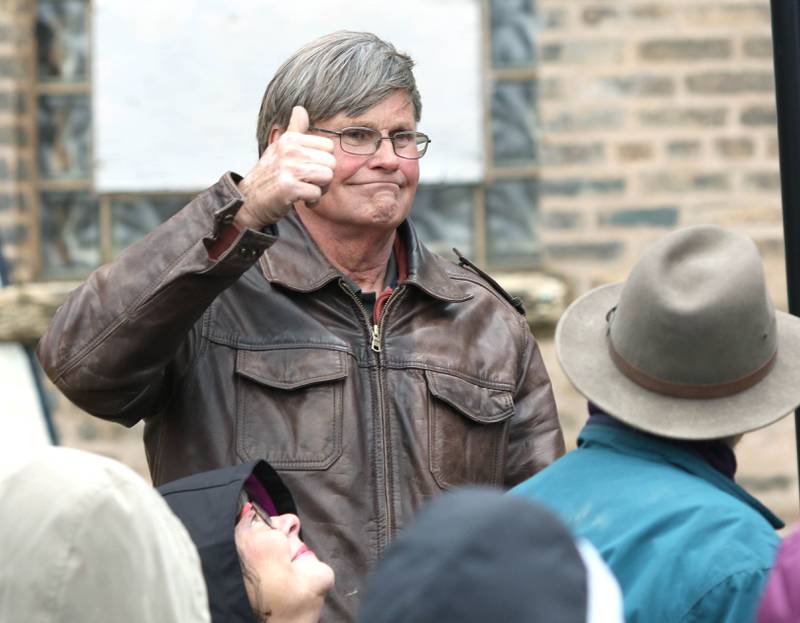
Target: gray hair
{"type": "Point", "coordinates": [344, 71]}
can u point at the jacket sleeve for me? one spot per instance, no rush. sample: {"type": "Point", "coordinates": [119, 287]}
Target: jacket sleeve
{"type": "Point", "coordinates": [109, 346]}
{"type": "Point", "coordinates": [734, 600]}
{"type": "Point", "coordinates": [535, 437]}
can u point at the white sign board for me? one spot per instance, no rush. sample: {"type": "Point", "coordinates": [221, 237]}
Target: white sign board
{"type": "Point", "coordinates": [177, 85]}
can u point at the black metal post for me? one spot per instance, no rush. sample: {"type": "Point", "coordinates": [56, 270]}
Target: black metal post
{"type": "Point", "coordinates": [786, 49]}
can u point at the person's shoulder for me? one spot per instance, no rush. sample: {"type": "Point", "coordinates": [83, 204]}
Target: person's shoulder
{"type": "Point", "coordinates": [480, 283]}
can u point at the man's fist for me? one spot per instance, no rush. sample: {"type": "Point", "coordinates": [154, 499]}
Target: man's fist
{"type": "Point", "coordinates": [295, 167]}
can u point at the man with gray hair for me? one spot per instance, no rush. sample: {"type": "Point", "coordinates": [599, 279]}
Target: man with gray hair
{"type": "Point", "coordinates": [678, 362]}
{"type": "Point", "coordinates": [293, 315]}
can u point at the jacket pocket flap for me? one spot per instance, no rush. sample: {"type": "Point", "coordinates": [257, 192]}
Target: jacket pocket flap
{"type": "Point", "coordinates": [480, 404]}
{"type": "Point", "coordinates": [291, 368]}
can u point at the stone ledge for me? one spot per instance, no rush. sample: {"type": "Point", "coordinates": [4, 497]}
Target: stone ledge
{"type": "Point", "coordinates": [545, 297]}
{"type": "Point", "coordinates": [26, 309]}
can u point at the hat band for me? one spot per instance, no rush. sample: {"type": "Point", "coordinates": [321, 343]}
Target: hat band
{"type": "Point", "coordinates": [681, 390]}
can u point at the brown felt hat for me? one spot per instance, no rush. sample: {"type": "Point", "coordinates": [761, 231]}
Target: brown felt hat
{"type": "Point", "coordinates": [690, 346]}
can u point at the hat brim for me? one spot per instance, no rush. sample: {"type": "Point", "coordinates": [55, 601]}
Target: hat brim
{"type": "Point", "coordinates": [582, 349]}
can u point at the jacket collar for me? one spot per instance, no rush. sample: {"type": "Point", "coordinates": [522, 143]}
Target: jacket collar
{"type": "Point", "coordinates": [297, 263]}
{"type": "Point", "coordinates": [628, 441]}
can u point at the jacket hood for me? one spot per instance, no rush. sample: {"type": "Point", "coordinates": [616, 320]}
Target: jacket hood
{"type": "Point", "coordinates": [84, 538]}
{"type": "Point", "coordinates": [477, 555]}
{"type": "Point", "coordinates": [207, 503]}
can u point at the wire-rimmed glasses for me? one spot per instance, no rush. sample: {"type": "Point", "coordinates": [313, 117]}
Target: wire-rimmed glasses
{"type": "Point", "coordinates": [366, 141]}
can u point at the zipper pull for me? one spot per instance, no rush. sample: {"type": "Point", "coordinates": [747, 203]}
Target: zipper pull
{"type": "Point", "coordinates": [376, 338]}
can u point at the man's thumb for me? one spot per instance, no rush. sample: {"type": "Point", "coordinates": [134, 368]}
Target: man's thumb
{"type": "Point", "coordinates": [298, 121]}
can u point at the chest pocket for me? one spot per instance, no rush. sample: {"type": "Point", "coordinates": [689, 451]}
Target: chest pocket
{"type": "Point", "coordinates": [289, 406]}
{"type": "Point", "coordinates": [467, 430]}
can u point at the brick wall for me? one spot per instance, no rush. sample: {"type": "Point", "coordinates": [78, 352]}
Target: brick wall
{"type": "Point", "coordinates": [657, 115]}
{"type": "Point", "coordinates": [17, 128]}
{"type": "Point", "coordinates": [654, 116]}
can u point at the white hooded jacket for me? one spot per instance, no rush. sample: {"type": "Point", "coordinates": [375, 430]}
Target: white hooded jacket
{"type": "Point", "coordinates": [84, 538]}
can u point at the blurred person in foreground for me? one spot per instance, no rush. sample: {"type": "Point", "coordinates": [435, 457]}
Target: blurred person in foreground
{"type": "Point", "coordinates": [293, 315]}
{"type": "Point", "coordinates": [476, 555]}
{"type": "Point", "coordinates": [780, 601]}
{"type": "Point", "coordinates": [677, 362]}
{"type": "Point", "coordinates": [84, 538]}
{"type": "Point", "coordinates": [244, 523]}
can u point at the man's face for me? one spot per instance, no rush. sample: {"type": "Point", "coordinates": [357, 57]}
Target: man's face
{"type": "Point", "coordinates": [375, 190]}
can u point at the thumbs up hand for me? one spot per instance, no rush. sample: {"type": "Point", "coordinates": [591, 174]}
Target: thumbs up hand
{"type": "Point", "coordinates": [296, 167]}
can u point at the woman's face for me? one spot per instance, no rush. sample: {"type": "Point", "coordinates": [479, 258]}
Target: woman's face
{"type": "Point", "coordinates": [282, 575]}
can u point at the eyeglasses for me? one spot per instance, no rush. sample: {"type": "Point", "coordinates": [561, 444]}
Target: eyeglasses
{"type": "Point", "coordinates": [366, 141]}
{"type": "Point", "coordinates": [259, 512]}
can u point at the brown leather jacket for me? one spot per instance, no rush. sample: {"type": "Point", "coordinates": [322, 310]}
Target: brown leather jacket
{"type": "Point", "coordinates": [267, 353]}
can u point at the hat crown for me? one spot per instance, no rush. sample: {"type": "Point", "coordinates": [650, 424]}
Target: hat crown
{"type": "Point", "coordinates": [695, 310]}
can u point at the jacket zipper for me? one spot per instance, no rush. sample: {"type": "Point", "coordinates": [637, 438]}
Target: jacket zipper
{"type": "Point", "coordinates": [375, 331]}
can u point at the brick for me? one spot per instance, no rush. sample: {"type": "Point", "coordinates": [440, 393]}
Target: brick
{"type": "Point", "coordinates": [579, 186]}
{"type": "Point", "coordinates": [583, 52]}
{"type": "Point", "coordinates": [772, 147]}
{"type": "Point", "coordinates": [632, 152]}
{"type": "Point", "coordinates": [582, 121]}
{"type": "Point", "coordinates": [681, 182]}
{"type": "Point", "coordinates": [734, 148]}
{"type": "Point", "coordinates": [661, 216]}
{"type": "Point", "coordinates": [549, 88]}
{"type": "Point", "coordinates": [639, 85]}
{"type": "Point", "coordinates": [14, 234]}
{"type": "Point", "coordinates": [683, 149]}
{"type": "Point", "coordinates": [759, 115]}
{"type": "Point", "coordinates": [551, 18]}
{"type": "Point", "coordinates": [585, 251]}
{"type": "Point", "coordinates": [764, 180]}
{"type": "Point", "coordinates": [10, 67]}
{"type": "Point", "coordinates": [723, 16]}
{"type": "Point", "coordinates": [596, 15]}
{"type": "Point", "coordinates": [683, 117]}
{"type": "Point", "coordinates": [685, 49]}
{"type": "Point", "coordinates": [562, 220]}
{"type": "Point", "coordinates": [728, 82]}
{"type": "Point", "coordinates": [758, 47]}
{"type": "Point", "coordinates": [7, 201]}
{"type": "Point", "coordinates": [572, 153]}
{"type": "Point", "coordinates": [13, 135]}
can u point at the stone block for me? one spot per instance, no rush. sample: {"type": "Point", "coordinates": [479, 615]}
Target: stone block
{"type": "Point", "coordinates": [561, 219]}
{"type": "Point", "coordinates": [659, 216]}
{"type": "Point", "coordinates": [763, 180]}
{"type": "Point", "coordinates": [572, 153]}
{"type": "Point", "coordinates": [685, 49]}
{"type": "Point", "coordinates": [683, 182]}
{"type": "Point", "coordinates": [633, 152]}
{"type": "Point", "coordinates": [724, 16]}
{"type": "Point", "coordinates": [758, 47]}
{"type": "Point", "coordinates": [597, 251]}
{"type": "Point", "coordinates": [734, 148]}
{"type": "Point", "coordinates": [580, 186]}
{"type": "Point", "coordinates": [640, 85]}
{"type": "Point", "coordinates": [759, 115]}
{"type": "Point", "coordinates": [10, 67]}
{"type": "Point", "coordinates": [583, 52]}
{"type": "Point", "coordinates": [683, 117]}
{"type": "Point", "coordinates": [730, 82]}
{"type": "Point", "coordinates": [603, 119]}
{"type": "Point", "coordinates": [597, 15]}
{"type": "Point", "coordinates": [683, 148]}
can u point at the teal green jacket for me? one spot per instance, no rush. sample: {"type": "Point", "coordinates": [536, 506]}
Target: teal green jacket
{"type": "Point", "coordinates": [685, 542]}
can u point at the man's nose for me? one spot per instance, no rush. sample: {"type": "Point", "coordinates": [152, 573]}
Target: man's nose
{"type": "Point", "coordinates": [385, 157]}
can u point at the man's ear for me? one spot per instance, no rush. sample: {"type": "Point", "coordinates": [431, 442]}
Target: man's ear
{"type": "Point", "coordinates": [274, 134]}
